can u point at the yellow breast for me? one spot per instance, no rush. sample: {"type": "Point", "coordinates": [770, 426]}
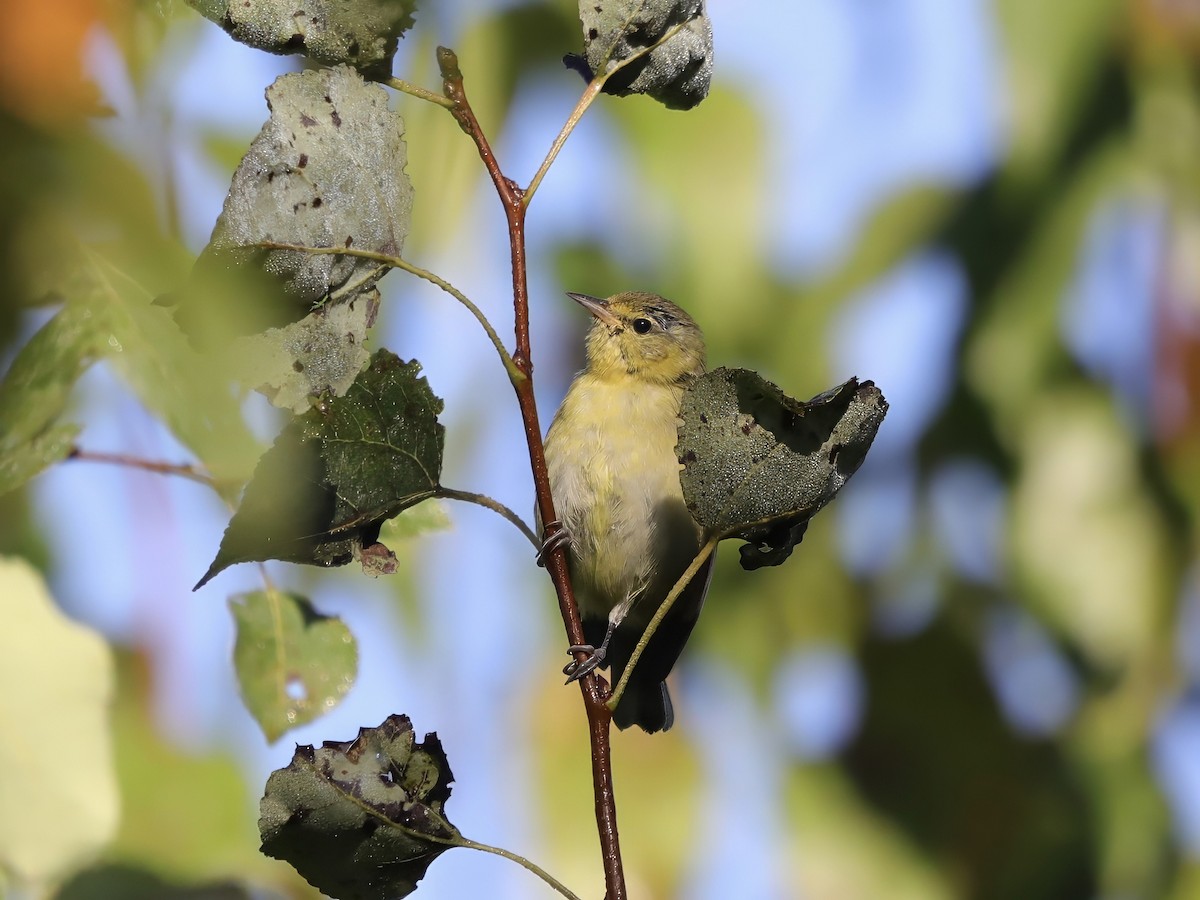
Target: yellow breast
{"type": "Point", "coordinates": [615, 480]}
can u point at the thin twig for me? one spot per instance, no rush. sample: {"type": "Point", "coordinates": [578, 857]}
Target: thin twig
{"type": "Point", "coordinates": [494, 505]}
{"type": "Point", "coordinates": [678, 588]}
{"type": "Point", "coordinates": [407, 87]}
{"type": "Point", "coordinates": [183, 470]}
{"type": "Point", "coordinates": [593, 689]}
{"type": "Point", "coordinates": [397, 262]}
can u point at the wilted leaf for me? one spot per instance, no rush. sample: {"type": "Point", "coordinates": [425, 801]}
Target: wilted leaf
{"type": "Point", "coordinates": [56, 683]}
{"type": "Point", "coordinates": [361, 33]}
{"type": "Point", "coordinates": [677, 73]}
{"type": "Point", "coordinates": [361, 820]}
{"type": "Point", "coordinates": [293, 664]}
{"type": "Point", "coordinates": [335, 474]}
{"type": "Point", "coordinates": [327, 170]}
{"type": "Point", "coordinates": [757, 464]}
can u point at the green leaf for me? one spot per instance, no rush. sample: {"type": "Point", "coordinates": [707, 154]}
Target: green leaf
{"type": "Point", "coordinates": [361, 819]}
{"type": "Point", "coordinates": [130, 882]}
{"type": "Point", "coordinates": [677, 73]}
{"type": "Point", "coordinates": [159, 778]}
{"type": "Point", "coordinates": [1049, 74]}
{"type": "Point", "coordinates": [35, 391]}
{"type": "Point", "coordinates": [335, 474]}
{"type": "Point", "coordinates": [20, 464]}
{"type": "Point", "coordinates": [145, 345]}
{"type": "Point", "coordinates": [361, 33]}
{"type": "Point", "coordinates": [293, 664]}
{"type": "Point", "coordinates": [326, 171]}
{"type": "Point", "coordinates": [757, 464]}
{"type": "Point", "coordinates": [56, 687]}
{"type": "Point", "coordinates": [427, 516]}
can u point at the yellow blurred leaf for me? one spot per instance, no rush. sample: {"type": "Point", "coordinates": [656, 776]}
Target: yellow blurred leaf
{"type": "Point", "coordinates": [1085, 535]}
{"type": "Point", "coordinates": [58, 789]}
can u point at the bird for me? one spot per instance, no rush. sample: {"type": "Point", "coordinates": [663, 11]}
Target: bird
{"type": "Point", "coordinates": [614, 479]}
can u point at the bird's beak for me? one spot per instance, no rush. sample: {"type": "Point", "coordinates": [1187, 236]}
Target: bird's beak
{"type": "Point", "coordinates": [597, 307]}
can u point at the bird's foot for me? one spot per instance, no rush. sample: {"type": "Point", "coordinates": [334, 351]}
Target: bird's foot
{"type": "Point", "coordinates": [554, 535]}
{"type": "Point", "coordinates": [576, 669]}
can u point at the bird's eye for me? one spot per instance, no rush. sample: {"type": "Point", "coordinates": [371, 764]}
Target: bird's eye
{"type": "Point", "coordinates": [641, 326]}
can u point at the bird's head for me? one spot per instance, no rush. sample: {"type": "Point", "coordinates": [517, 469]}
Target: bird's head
{"type": "Point", "coordinates": [642, 335]}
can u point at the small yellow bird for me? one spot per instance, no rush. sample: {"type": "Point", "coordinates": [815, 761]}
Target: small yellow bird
{"type": "Point", "coordinates": [614, 477]}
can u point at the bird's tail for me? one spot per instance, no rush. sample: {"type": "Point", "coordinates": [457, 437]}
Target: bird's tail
{"type": "Point", "coordinates": [646, 704]}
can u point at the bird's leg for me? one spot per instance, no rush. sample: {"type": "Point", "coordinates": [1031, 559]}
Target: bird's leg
{"type": "Point", "coordinates": [554, 535]}
{"type": "Point", "coordinates": [575, 669]}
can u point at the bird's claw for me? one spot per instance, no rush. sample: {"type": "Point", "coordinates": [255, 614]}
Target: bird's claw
{"type": "Point", "coordinates": [576, 669]}
{"type": "Point", "coordinates": [554, 535]}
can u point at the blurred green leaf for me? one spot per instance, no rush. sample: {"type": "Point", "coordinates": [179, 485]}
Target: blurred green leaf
{"type": "Point", "coordinates": [19, 464]}
{"type": "Point", "coordinates": [361, 33]}
{"type": "Point", "coordinates": [1004, 813]}
{"type": "Point", "coordinates": [112, 881]}
{"type": "Point", "coordinates": [1016, 348]}
{"type": "Point", "coordinates": [1049, 71]}
{"type": "Point", "coordinates": [186, 814]}
{"type": "Point", "coordinates": [293, 664]}
{"type": "Point", "coordinates": [757, 464]}
{"type": "Point", "coordinates": [192, 392]}
{"type": "Point", "coordinates": [426, 516]}
{"type": "Point", "coordinates": [35, 391]}
{"type": "Point", "coordinates": [335, 474]}
{"type": "Point", "coordinates": [712, 240]}
{"type": "Point", "coordinates": [361, 819]}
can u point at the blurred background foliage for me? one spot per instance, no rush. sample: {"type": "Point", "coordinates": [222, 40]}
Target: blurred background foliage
{"type": "Point", "coordinates": [978, 675]}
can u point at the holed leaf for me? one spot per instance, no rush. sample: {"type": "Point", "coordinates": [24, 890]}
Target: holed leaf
{"type": "Point", "coordinates": [362, 819]}
{"type": "Point", "coordinates": [758, 464]}
{"type": "Point", "coordinates": [336, 473]}
{"type": "Point", "coordinates": [293, 664]}
{"type": "Point", "coordinates": [326, 171]}
{"type": "Point", "coordinates": [677, 73]}
{"type": "Point", "coordinates": [361, 33]}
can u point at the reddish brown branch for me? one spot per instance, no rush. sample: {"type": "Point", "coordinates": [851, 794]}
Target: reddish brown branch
{"type": "Point", "coordinates": [594, 689]}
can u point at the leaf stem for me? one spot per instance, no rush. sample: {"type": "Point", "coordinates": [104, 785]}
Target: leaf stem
{"type": "Point", "coordinates": [397, 262]}
{"type": "Point", "coordinates": [407, 87]}
{"type": "Point", "coordinates": [494, 505]}
{"type": "Point", "coordinates": [523, 862]}
{"type": "Point", "coordinates": [594, 87]}
{"type": "Point", "coordinates": [678, 588]}
{"type": "Point", "coordinates": [589, 94]}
